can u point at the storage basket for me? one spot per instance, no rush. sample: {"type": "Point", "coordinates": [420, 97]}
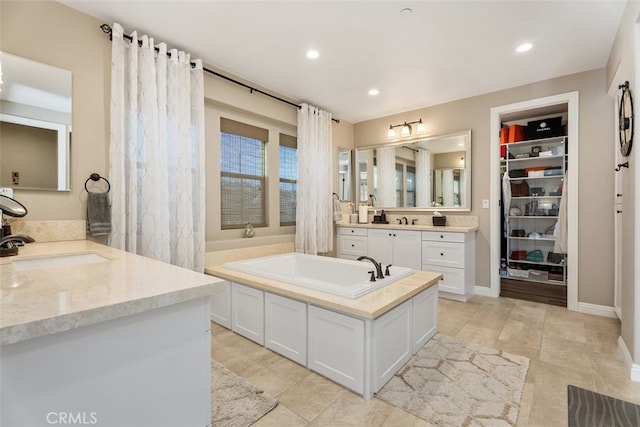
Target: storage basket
{"type": "Point", "coordinates": [538, 275]}
{"type": "Point", "coordinates": [520, 274]}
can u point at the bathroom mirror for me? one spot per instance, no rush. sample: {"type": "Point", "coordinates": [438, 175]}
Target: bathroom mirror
{"type": "Point", "coordinates": [425, 173]}
{"type": "Point", "coordinates": [35, 125]}
{"type": "Point", "coordinates": [344, 174]}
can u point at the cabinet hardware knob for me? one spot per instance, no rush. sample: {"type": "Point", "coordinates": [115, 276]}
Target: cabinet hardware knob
{"type": "Point", "coordinates": [441, 236]}
{"type": "Point", "coordinates": [619, 195]}
{"type": "Point", "coordinates": [394, 234]}
{"type": "Point", "coordinates": [441, 254]}
{"type": "Point", "coordinates": [352, 246]}
{"type": "Point", "coordinates": [618, 211]}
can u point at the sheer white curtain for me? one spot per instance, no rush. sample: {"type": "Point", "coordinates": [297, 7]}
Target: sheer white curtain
{"type": "Point", "coordinates": [314, 207]}
{"type": "Point", "coordinates": [157, 152]}
{"type": "Point", "coordinates": [423, 179]}
{"type": "Point", "coordinates": [447, 187]}
{"type": "Point", "coordinates": [386, 159]}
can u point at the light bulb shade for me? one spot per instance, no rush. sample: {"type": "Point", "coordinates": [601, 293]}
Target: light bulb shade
{"type": "Point", "coordinates": [420, 127]}
{"type": "Point", "coordinates": [391, 133]}
{"type": "Point", "coordinates": [406, 130]}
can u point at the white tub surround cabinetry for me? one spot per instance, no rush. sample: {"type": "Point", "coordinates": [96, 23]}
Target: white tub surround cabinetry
{"type": "Point", "coordinates": [352, 242]}
{"type": "Point", "coordinates": [359, 343]}
{"type": "Point", "coordinates": [449, 250]}
{"type": "Point", "coordinates": [90, 340]}
{"type": "Point", "coordinates": [395, 247]}
{"type": "Point", "coordinates": [285, 321]}
{"type": "Point", "coordinates": [453, 255]}
{"type": "Point", "coordinates": [247, 312]}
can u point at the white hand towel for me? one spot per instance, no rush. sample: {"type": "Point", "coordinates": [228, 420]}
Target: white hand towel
{"type": "Point", "coordinates": [337, 209]}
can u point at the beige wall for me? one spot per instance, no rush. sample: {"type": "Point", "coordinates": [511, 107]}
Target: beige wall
{"type": "Point", "coordinates": [595, 276]}
{"type": "Point", "coordinates": [622, 60]}
{"type": "Point", "coordinates": [81, 47]}
{"type": "Point", "coordinates": [53, 34]}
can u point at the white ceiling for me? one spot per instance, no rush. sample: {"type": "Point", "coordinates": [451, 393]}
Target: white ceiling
{"type": "Point", "coordinates": [445, 50]}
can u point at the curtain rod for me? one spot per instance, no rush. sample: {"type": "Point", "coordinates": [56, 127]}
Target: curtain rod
{"type": "Point", "coordinates": [107, 30]}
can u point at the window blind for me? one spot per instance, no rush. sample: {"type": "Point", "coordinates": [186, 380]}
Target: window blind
{"type": "Point", "coordinates": [288, 179]}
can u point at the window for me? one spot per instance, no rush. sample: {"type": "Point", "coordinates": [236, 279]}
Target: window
{"type": "Point", "coordinates": [411, 186]}
{"type": "Point", "coordinates": [242, 174]}
{"type": "Point", "coordinates": [399, 186]}
{"type": "Point", "coordinates": [288, 179]}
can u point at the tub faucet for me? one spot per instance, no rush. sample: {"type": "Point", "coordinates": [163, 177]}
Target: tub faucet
{"type": "Point", "coordinates": [379, 274]}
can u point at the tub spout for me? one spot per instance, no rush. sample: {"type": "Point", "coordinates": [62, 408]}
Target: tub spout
{"type": "Point", "coordinates": [379, 274]}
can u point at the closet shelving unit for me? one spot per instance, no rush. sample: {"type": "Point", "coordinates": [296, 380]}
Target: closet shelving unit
{"type": "Point", "coordinates": [532, 219]}
{"type": "Point", "coordinates": [529, 228]}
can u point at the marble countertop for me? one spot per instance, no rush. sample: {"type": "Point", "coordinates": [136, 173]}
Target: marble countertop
{"type": "Point", "coordinates": [368, 306]}
{"type": "Point", "coordinates": [416, 227]}
{"type": "Point", "coordinates": [39, 302]}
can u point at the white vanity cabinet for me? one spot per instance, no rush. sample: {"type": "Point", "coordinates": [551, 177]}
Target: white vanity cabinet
{"type": "Point", "coordinates": [285, 322]}
{"type": "Point", "coordinates": [396, 247]}
{"type": "Point", "coordinates": [247, 312]}
{"type": "Point", "coordinates": [352, 242]}
{"type": "Point", "coordinates": [392, 335]}
{"type": "Point", "coordinates": [453, 255]}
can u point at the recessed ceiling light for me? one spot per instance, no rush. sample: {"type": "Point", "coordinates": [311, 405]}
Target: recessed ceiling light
{"type": "Point", "coordinates": [373, 92]}
{"type": "Point", "coordinates": [524, 47]}
{"type": "Point", "coordinates": [313, 54]}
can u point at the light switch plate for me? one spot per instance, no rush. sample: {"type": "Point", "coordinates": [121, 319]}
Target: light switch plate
{"type": "Point", "coordinates": [485, 204]}
{"type": "Point", "coordinates": [6, 191]}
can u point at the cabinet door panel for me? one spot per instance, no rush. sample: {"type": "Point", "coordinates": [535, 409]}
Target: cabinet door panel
{"type": "Point", "coordinates": [406, 249]}
{"type": "Point", "coordinates": [393, 346]}
{"type": "Point", "coordinates": [286, 327]}
{"type": "Point", "coordinates": [336, 347]}
{"type": "Point", "coordinates": [221, 306]}
{"type": "Point", "coordinates": [443, 253]}
{"type": "Point", "coordinates": [380, 245]}
{"type": "Point", "coordinates": [247, 312]}
{"type": "Point", "coordinates": [453, 279]}
{"type": "Point", "coordinates": [425, 317]}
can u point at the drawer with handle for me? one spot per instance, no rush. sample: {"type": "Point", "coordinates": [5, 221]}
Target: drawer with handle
{"type": "Point", "coordinates": [448, 254]}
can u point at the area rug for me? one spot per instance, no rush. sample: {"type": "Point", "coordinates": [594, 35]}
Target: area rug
{"type": "Point", "coordinates": [235, 402]}
{"type": "Point", "coordinates": [452, 383]}
{"type": "Point", "coordinates": [590, 409]}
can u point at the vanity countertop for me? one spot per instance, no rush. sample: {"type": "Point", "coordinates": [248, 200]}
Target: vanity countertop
{"type": "Point", "coordinates": [369, 306]}
{"type": "Point", "coordinates": [416, 227]}
{"type": "Point", "coordinates": [43, 301]}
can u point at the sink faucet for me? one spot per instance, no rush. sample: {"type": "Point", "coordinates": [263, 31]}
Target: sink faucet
{"type": "Point", "coordinates": [379, 274]}
{"type": "Point", "coordinates": [406, 221]}
{"type": "Point", "coordinates": [9, 244]}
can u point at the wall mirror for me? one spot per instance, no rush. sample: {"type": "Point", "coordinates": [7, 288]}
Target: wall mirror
{"type": "Point", "coordinates": [426, 173]}
{"type": "Point", "coordinates": [35, 125]}
{"type": "Point", "coordinates": [344, 174]}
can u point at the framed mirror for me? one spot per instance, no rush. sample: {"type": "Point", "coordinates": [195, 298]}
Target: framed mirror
{"type": "Point", "coordinates": [35, 125]}
{"type": "Point", "coordinates": [344, 174]}
{"type": "Point", "coordinates": [425, 173]}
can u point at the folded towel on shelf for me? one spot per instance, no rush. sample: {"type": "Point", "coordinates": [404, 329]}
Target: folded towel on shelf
{"type": "Point", "coordinates": [337, 209]}
{"type": "Point", "coordinates": [98, 214]}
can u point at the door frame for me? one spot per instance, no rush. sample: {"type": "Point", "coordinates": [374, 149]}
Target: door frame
{"type": "Point", "coordinates": [572, 101]}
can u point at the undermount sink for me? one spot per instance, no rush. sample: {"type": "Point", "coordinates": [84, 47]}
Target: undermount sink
{"type": "Point", "coordinates": [51, 261]}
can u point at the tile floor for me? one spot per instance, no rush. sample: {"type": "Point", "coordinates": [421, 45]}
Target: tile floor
{"type": "Point", "coordinates": [564, 347]}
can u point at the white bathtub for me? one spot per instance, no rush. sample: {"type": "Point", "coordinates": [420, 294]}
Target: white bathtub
{"type": "Point", "coordinates": [332, 275]}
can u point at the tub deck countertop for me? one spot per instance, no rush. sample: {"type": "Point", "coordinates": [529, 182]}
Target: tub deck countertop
{"type": "Point", "coordinates": [369, 306]}
{"type": "Point", "coordinates": [44, 301]}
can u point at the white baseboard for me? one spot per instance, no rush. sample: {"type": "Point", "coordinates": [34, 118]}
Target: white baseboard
{"type": "Point", "coordinates": [482, 290]}
{"type": "Point", "coordinates": [634, 368]}
{"type": "Point", "coordinates": [597, 310]}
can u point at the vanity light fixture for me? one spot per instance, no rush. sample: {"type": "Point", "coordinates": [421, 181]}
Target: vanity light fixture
{"type": "Point", "coordinates": [406, 128]}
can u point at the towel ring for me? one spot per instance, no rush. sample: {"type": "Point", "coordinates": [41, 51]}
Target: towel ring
{"type": "Point", "coordinates": [96, 177]}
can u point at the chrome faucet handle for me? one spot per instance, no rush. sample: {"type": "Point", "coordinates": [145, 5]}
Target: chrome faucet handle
{"type": "Point", "coordinates": [373, 276]}
{"type": "Point", "coordinates": [399, 220]}
{"type": "Point", "coordinates": [413, 221]}
{"type": "Point", "coordinates": [386, 271]}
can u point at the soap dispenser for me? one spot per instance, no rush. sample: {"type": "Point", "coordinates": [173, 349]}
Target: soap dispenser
{"type": "Point", "coordinates": [383, 217]}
